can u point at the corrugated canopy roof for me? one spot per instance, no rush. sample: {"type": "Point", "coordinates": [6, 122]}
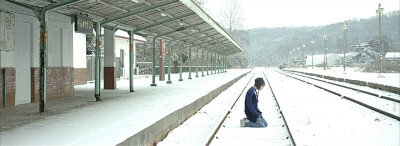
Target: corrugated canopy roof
{"type": "Point", "coordinates": [176, 20]}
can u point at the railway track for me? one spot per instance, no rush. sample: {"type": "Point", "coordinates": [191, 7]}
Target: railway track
{"type": "Point", "coordinates": [385, 105]}
{"type": "Point", "coordinates": [277, 132]}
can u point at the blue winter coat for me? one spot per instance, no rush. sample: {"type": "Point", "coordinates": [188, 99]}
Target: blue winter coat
{"type": "Point", "coordinates": [251, 105]}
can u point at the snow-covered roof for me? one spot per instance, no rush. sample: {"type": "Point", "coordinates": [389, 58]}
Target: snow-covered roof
{"type": "Point", "coordinates": [319, 59]}
{"type": "Point", "coordinates": [392, 55]}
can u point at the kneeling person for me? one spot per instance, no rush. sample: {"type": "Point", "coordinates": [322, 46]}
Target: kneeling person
{"type": "Point", "coordinates": [253, 114]}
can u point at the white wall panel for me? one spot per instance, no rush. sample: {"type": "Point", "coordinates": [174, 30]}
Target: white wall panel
{"type": "Point", "coordinates": [67, 48]}
{"type": "Point", "coordinates": [54, 47]}
{"type": "Point", "coordinates": [109, 48]}
{"type": "Point", "coordinates": [22, 63]}
{"type": "Point", "coordinates": [79, 50]}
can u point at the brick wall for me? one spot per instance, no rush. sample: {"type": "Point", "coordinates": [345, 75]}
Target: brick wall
{"type": "Point", "coordinates": [80, 76]}
{"type": "Point", "coordinates": [35, 84]}
{"type": "Point", "coordinates": [60, 83]}
{"type": "Point", "coordinates": [10, 91]}
{"type": "Point", "coordinates": [110, 78]}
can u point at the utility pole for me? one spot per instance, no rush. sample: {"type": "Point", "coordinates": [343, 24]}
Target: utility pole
{"type": "Point", "coordinates": [344, 27]}
{"type": "Point", "coordinates": [379, 11]}
{"type": "Point", "coordinates": [326, 51]}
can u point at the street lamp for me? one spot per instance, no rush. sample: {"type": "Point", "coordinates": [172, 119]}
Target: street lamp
{"type": "Point", "coordinates": [344, 27]}
{"type": "Point", "coordinates": [312, 54]}
{"type": "Point", "coordinates": [326, 50]}
{"type": "Point", "coordinates": [298, 49]}
{"type": "Point", "coordinates": [302, 55]}
{"type": "Point", "coordinates": [379, 11]}
{"type": "Point", "coordinates": [358, 27]}
{"type": "Point", "coordinates": [294, 55]}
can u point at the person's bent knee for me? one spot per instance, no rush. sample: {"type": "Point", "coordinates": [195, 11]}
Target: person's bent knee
{"type": "Point", "coordinates": [258, 124]}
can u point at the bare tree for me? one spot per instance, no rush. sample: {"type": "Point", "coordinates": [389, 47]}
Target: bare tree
{"type": "Point", "coordinates": [232, 15]}
{"type": "Point", "coordinates": [232, 21]}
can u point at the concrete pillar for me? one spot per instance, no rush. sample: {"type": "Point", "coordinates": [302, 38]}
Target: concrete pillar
{"type": "Point", "coordinates": [110, 81]}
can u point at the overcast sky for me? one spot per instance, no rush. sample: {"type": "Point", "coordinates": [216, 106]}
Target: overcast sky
{"type": "Point", "coordinates": [281, 13]}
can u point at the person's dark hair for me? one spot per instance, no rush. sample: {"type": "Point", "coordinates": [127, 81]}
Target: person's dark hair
{"type": "Point", "coordinates": [259, 82]}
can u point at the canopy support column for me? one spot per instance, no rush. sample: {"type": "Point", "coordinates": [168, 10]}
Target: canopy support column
{"type": "Point", "coordinates": [153, 78]}
{"type": "Point", "coordinates": [212, 64]}
{"type": "Point", "coordinates": [190, 63]}
{"type": "Point", "coordinates": [197, 63]}
{"type": "Point", "coordinates": [208, 61]}
{"type": "Point", "coordinates": [180, 62]}
{"type": "Point", "coordinates": [169, 47]}
{"type": "Point", "coordinates": [97, 64]}
{"type": "Point", "coordinates": [202, 63]}
{"type": "Point", "coordinates": [131, 60]}
{"type": "Point", "coordinates": [43, 60]}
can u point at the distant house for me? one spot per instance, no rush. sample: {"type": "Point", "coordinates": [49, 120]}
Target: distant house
{"type": "Point", "coordinates": [392, 56]}
{"type": "Point", "coordinates": [333, 59]}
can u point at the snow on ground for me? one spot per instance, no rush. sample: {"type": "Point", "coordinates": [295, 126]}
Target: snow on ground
{"type": "Point", "coordinates": [273, 135]}
{"type": "Point", "coordinates": [364, 88]}
{"type": "Point", "coordinates": [120, 114]}
{"type": "Point", "coordinates": [198, 129]}
{"type": "Point", "coordinates": [316, 117]}
{"type": "Point", "coordinates": [385, 105]}
{"type": "Point", "coordinates": [391, 79]}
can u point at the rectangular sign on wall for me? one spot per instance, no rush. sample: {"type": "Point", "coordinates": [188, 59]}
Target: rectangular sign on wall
{"type": "Point", "coordinates": [83, 24]}
{"type": "Point", "coordinates": [7, 31]}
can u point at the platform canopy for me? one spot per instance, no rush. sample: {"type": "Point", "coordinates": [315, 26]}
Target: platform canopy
{"type": "Point", "coordinates": [175, 20]}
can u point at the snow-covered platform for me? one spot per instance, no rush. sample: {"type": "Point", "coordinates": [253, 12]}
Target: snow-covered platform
{"type": "Point", "coordinates": [121, 117]}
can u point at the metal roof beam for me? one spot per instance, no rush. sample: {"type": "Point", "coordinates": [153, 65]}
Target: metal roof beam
{"type": "Point", "coordinates": [36, 8]}
{"type": "Point", "coordinates": [121, 9]}
{"type": "Point", "coordinates": [179, 29]}
{"type": "Point", "coordinates": [224, 49]}
{"type": "Point", "coordinates": [196, 33]}
{"type": "Point", "coordinates": [162, 22]}
{"type": "Point", "coordinates": [205, 37]}
{"type": "Point", "coordinates": [140, 10]}
{"type": "Point", "coordinates": [203, 40]}
{"type": "Point", "coordinates": [212, 44]}
{"type": "Point", "coordinates": [59, 4]}
{"type": "Point", "coordinates": [38, 11]}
